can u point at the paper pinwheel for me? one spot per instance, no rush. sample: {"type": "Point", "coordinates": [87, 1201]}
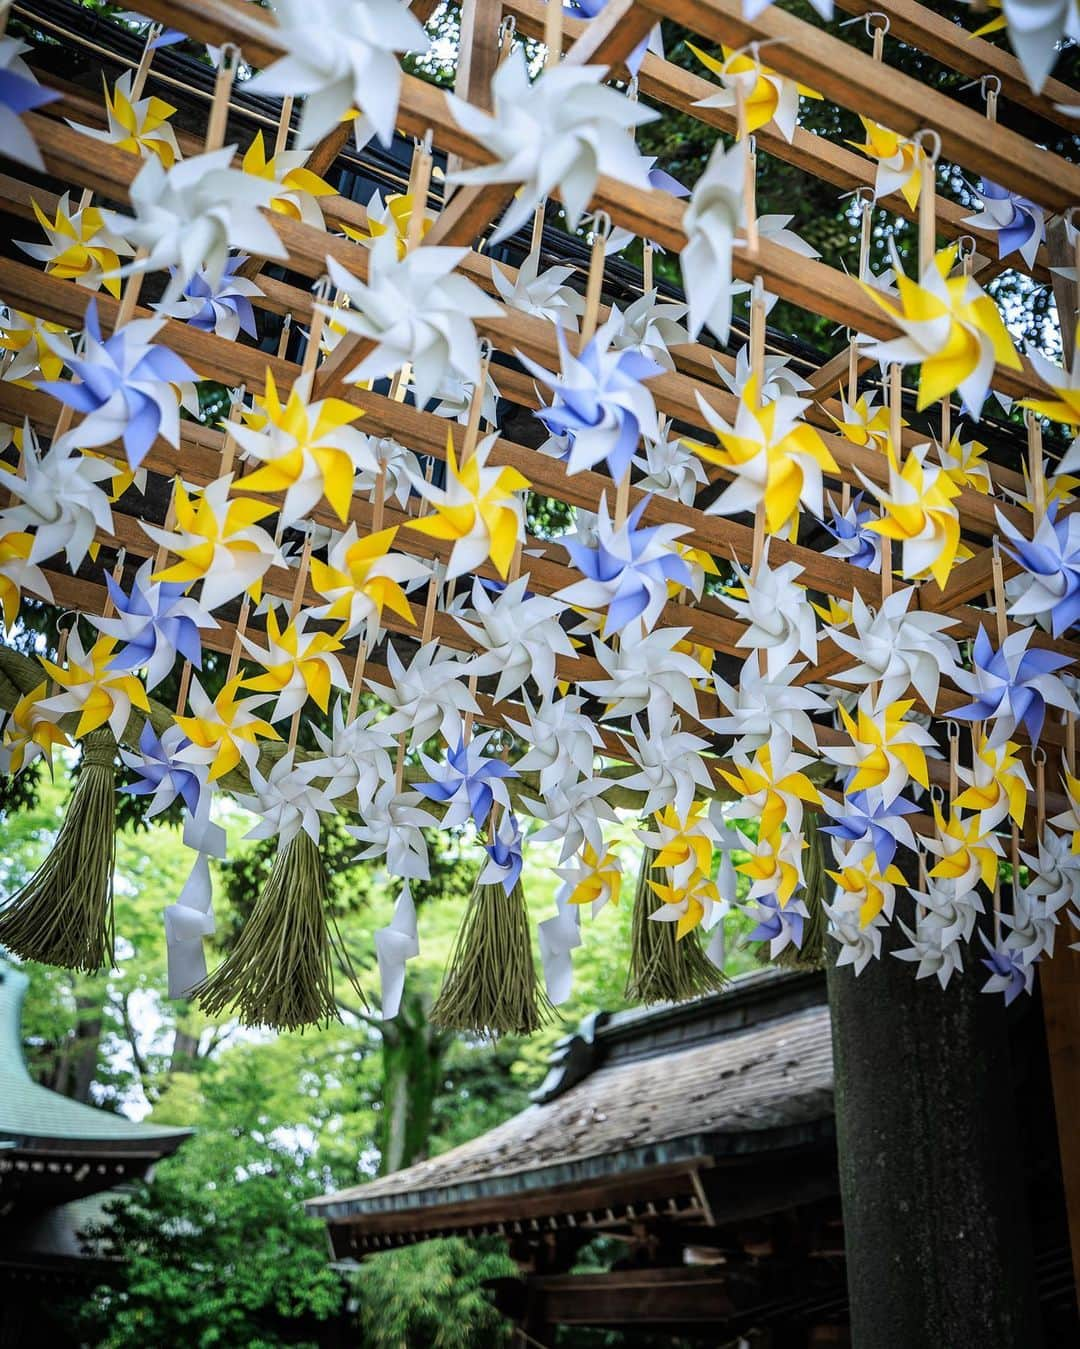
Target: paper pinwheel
{"type": "Point", "coordinates": [287, 801]}
{"type": "Point", "coordinates": [968, 851]}
{"type": "Point", "coordinates": [361, 577]}
{"type": "Point", "coordinates": [687, 906]}
{"type": "Point", "coordinates": [399, 467]}
{"type": "Point", "coordinates": [393, 827]}
{"type": "Point", "coordinates": [504, 859]}
{"type": "Point", "coordinates": [18, 573]}
{"type": "Point", "coordinates": [1018, 223]}
{"type": "Point", "coordinates": [296, 189]}
{"type": "Point", "coordinates": [772, 787]}
{"type": "Point", "coordinates": [125, 387]}
{"type": "Point", "coordinates": [761, 706]}
{"type": "Point", "coordinates": [395, 944]}
{"type": "Point", "coordinates": [775, 459]}
{"type": "Point", "coordinates": [963, 463]}
{"type": "Point", "coordinates": [296, 664]}
{"type": "Point", "coordinates": [899, 162]}
{"type": "Point", "coordinates": [1009, 975]}
{"type": "Point", "coordinates": [647, 672]}
{"type": "Point", "coordinates": [628, 571]}
{"type": "Point", "coordinates": [670, 469]}
{"type": "Point", "coordinates": [594, 878]}
{"type": "Point", "coordinates": [775, 229]}
{"type": "Point", "coordinates": [356, 755]}
{"type": "Point", "coordinates": [866, 890]}
{"type": "Point", "coordinates": [1048, 590]}
{"type": "Point", "coordinates": [898, 648]}
{"type": "Point", "coordinates": [649, 326]}
{"type": "Point", "coordinates": [669, 763]}
{"type": "Point", "coordinates": [1065, 384]}
{"type": "Point", "coordinates": [478, 510]}
{"type": "Point", "coordinates": [780, 380]}
{"type": "Point", "coordinates": [1013, 686]}
{"type": "Point", "coordinates": [1054, 878]}
{"type": "Point", "coordinates": [30, 733]}
{"type": "Point", "coordinates": [866, 825]}
{"type": "Point", "coordinates": [684, 843]}
{"type": "Point", "coordinates": [918, 508]}
{"type": "Point", "coordinates": [417, 309]}
{"type": "Point", "coordinates": [429, 697]}
{"type": "Point", "coordinates": [779, 620]}
{"type": "Point", "coordinates": [140, 127]}
{"type": "Point", "coordinates": [91, 686]}
{"type": "Point", "coordinates": [997, 785]}
{"type": "Point", "coordinates": [1069, 820]}
{"type": "Point", "coordinates": [155, 623]}
{"type": "Point", "coordinates": [769, 96]}
{"type": "Point", "coordinates": [160, 775]}
{"type": "Point", "coordinates": [558, 936]}
{"type": "Point", "coordinates": [653, 43]}
{"type": "Point", "coordinates": [950, 327]}
{"type": "Point", "coordinates": [517, 634]}
{"type": "Point", "coordinates": [468, 783]}
{"type": "Point", "coordinates": [57, 499]}
{"type": "Point", "coordinates": [80, 246]}
{"type": "Point", "coordinates": [939, 931]}
{"type": "Point", "coordinates": [887, 750]}
{"type": "Point", "coordinates": [36, 347]}
{"type": "Point", "coordinates": [19, 93]}
{"type": "Point", "coordinates": [561, 131]}
{"type": "Point", "coordinates": [858, 945]}
{"type": "Point", "coordinates": [1035, 29]}
{"type": "Point", "coordinates": [715, 212]}
{"type": "Point", "coordinates": [600, 403]}
{"type": "Point", "coordinates": [391, 217]}
{"type": "Point", "coordinates": [573, 813]}
{"type": "Point", "coordinates": [544, 294]}
{"type": "Point", "coordinates": [562, 741]}
{"type": "Point", "coordinates": [224, 732]}
{"type": "Point", "coordinates": [219, 541]}
{"type": "Point", "coordinates": [774, 865]}
{"type": "Point", "coordinates": [855, 541]}
{"type": "Point", "coordinates": [219, 305]}
{"type": "Point", "coordinates": [306, 449]}
{"type": "Point", "coordinates": [780, 927]}
{"type": "Point", "coordinates": [864, 422]}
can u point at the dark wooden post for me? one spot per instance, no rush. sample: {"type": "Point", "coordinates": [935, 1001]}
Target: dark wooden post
{"type": "Point", "coordinates": [931, 1177]}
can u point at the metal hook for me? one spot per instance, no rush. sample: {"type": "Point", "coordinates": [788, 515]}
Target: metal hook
{"type": "Point", "coordinates": [965, 246]}
{"type": "Point", "coordinates": [937, 794]}
{"type": "Point", "coordinates": [928, 133]}
{"type": "Point", "coordinates": [601, 223]}
{"type": "Point", "coordinates": [952, 730]}
{"type": "Point", "coordinates": [507, 29]}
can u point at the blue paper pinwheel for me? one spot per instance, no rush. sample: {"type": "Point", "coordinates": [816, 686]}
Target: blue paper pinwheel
{"type": "Point", "coordinates": [1018, 222]}
{"type": "Point", "coordinates": [1051, 588]}
{"type": "Point", "coordinates": [1008, 973]}
{"type": "Point", "coordinates": [160, 774]}
{"type": "Point", "coordinates": [468, 784]}
{"type": "Point", "coordinates": [778, 924]}
{"type": "Point", "coordinates": [854, 541]}
{"type": "Point", "coordinates": [217, 306]}
{"type": "Point", "coordinates": [859, 817]}
{"type": "Point", "coordinates": [154, 623]}
{"type": "Point", "coordinates": [505, 859]}
{"type": "Point", "coordinates": [19, 93]}
{"type": "Point", "coordinates": [1013, 687]}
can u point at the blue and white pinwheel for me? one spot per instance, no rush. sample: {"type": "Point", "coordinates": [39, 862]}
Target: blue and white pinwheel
{"type": "Point", "coordinates": [155, 623]}
{"type": "Point", "coordinates": [1018, 223]}
{"type": "Point", "coordinates": [627, 570]}
{"type": "Point", "coordinates": [504, 859]}
{"type": "Point", "coordinates": [216, 305]}
{"type": "Point", "coordinates": [125, 387]}
{"type": "Point", "coordinates": [19, 93]}
{"type": "Point", "coordinates": [865, 824]}
{"type": "Point", "coordinates": [1008, 973]}
{"type": "Point", "coordinates": [468, 784]}
{"type": "Point", "coordinates": [1048, 590]}
{"type": "Point", "coordinates": [855, 543]}
{"type": "Point", "coordinates": [779, 926]}
{"type": "Point", "coordinates": [161, 775]}
{"type": "Point", "coordinates": [600, 405]}
{"type": "Point", "coordinates": [1013, 686]}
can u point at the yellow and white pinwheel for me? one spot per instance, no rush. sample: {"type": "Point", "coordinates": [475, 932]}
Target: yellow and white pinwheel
{"type": "Point", "coordinates": [769, 96]}
{"type": "Point", "coordinates": [223, 732]}
{"type": "Point", "coordinates": [300, 188]}
{"type": "Point", "coordinates": [296, 664]}
{"type": "Point", "coordinates": [963, 463]}
{"type": "Point", "coordinates": [865, 886]}
{"type": "Point", "coordinates": [37, 347]}
{"type": "Point", "coordinates": [687, 906]}
{"type": "Point", "coordinates": [899, 162]}
{"type": "Point", "coordinates": [774, 458]}
{"type": "Point", "coordinates": [950, 327]}
{"type": "Point", "coordinates": [595, 879]}
{"type": "Point", "coordinates": [1069, 820]}
{"type": "Point", "coordinates": [969, 852]}
{"type": "Point", "coordinates": [18, 573]}
{"type": "Point", "coordinates": [683, 845]}
{"type": "Point", "coordinates": [307, 450]}
{"type": "Point", "coordinates": [918, 509]}
{"type": "Point", "coordinates": [772, 786]}
{"type": "Point", "coordinates": [90, 687]}
{"type": "Point", "coordinates": [361, 577]}
{"type": "Point", "coordinates": [478, 510]}
{"type": "Point", "coordinates": [30, 733]}
{"type": "Point", "coordinates": [1064, 407]}
{"type": "Point", "coordinates": [141, 127]}
{"type": "Point", "coordinates": [218, 541]}
{"type": "Point", "coordinates": [865, 422]}
{"type": "Point", "coordinates": [774, 865]}
{"type": "Point", "coordinates": [887, 751]}
{"type": "Point", "coordinates": [392, 217]}
{"type": "Point", "coordinates": [79, 247]}
{"type": "Point", "coordinates": [997, 785]}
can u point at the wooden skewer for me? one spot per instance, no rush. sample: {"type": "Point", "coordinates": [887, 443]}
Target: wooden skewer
{"type": "Point", "coordinates": [357, 680]}
{"type": "Point", "coordinates": [315, 329]}
{"type": "Point", "coordinates": [476, 404]}
{"type": "Point", "coordinates": [1035, 466]}
{"type": "Point", "coordinates": [294, 609]}
{"type": "Point", "coordinates": [281, 139]}
{"type": "Point", "coordinates": [595, 283]}
{"type": "Point", "coordinates": [895, 446]}
{"type": "Point", "coordinates": [1070, 743]}
{"type": "Point", "coordinates": [999, 594]}
{"type": "Point", "coordinates": [928, 202]}
{"type": "Point", "coordinates": [219, 106]}
{"type": "Point", "coordinates": [182, 691]}
{"type": "Point", "coordinates": [419, 183]}
{"type": "Point", "coordinates": [132, 287]}
{"type": "Point", "coordinates": [553, 32]}
{"type": "Point", "coordinates": [648, 285]}
{"type": "Point", "coordinates": [283, 338]}
{"type": "Point", "coordinates": [142, 70]}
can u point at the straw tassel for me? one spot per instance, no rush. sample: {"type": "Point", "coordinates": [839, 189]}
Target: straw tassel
{"type": "Point", "coordinates": [663, 968]}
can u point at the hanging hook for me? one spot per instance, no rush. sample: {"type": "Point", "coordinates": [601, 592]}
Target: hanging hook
{"type": "Point", "coordinates": [928, 134]}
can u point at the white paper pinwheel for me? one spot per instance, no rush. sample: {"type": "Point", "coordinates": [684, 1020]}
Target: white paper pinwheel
{"type": "Point", "coordinates": [670, 469]}
{"type": "Point", "coordinates": [518, 635]}
{"type": "Point", "coordinates": [399, 466]}
{"type": "Point", "coordinates": [417, 308]}
{"type": "Point", "coordinates": [340, 55]}
{"type": "Point", "coordinates": [127, 388]}
{"type": "Point", "coordinates": [393, 825]}
{"type": "Point", "coordinates": [57, 499]}
{"type": "Point", "coordinates": [188, 921]}
{"type": "Point", "coordinates": [428, 697]}
{"type": "Point", "coordinates": [898, 648]}
{"type": "Point", "coordinates": [217, 539]}
{"type": "Point", "coordinates": [544, 294]}
{"type": "Point", "coordinates": [395, 944]}
{"type": "Point", "coordinates": [626, 573]}
{"type": "Point", "coordinates": [779, 380]}
{"type": "Point", "coordinates": [1035, 29]}
{"type": "Point", "coordinates": [287, 801]}
{"type": "Point", "coordinates": [650, 326]}
{"type": "Point", "coordinates": [562, 741]}
{"type": "Point", "coordinates": [715, 213]}
{"type": "Point", "coordinates": [156, 623]}
{"type": "Point", "coordinates": [775, 229]}
{"type": "Point", "coordinates": [647, 673]}
{"type": "Point", "coordinates": [355, 756]}
{"type": "Point", "coordinates": [558, 937]}
{"type": "Point", "coordinates": [760, 706]}
{"type": "Point", "coordinates": [453, 398]}
{"type": "Point", "coordinates": [562, 131]}
{"type": "Point", "coordinates": [779, 619]}
{"type": "Point", "coordinates": [942, 926]}
{"type": "Point", "coordinates": [859, 943]}
{"type": "Point", "coordinates": [1054, 876]}
{"type": "Point", "coordinates": [669, 763]}
{"type": "Point", "coordinates": [574, 813]}
{"type": "Point", "coordinates": [1030, 928]}
{"type": "Point", "coordinates": [19, 93]}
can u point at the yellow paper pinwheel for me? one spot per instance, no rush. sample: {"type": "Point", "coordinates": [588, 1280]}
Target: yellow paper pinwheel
{"type": "Point", "coordinates": [998, 785]}
{"type": "Point", "coordinates": [685, 845]}
{"type": "Point", "coordinates": [887, 750]}
{"type": "Point", "coordinates": [296, 664]}
{"type": "Point", "coordinates": [863, 423]}
{"type": "Point", "coordinates": [769, 96]}
{"type": "Point", "coordinates": [223, 732]}
{"type": "Point", "coordinates": [899, 161]}
{"type": "Point", "coordinates": [687, 905]}
{"type": "Point", "coordinates": [306, 450]}
{"type": "Point", "coordinates": [596, 880]}
{"type": "Point", "coordinates": [873, 890]}
{"type": "Point", "coordinates": [964, 465]}
{"type": "Point", "coordinates": [29, 735]}
{"type": "Point", "coordinates": [80, 247]}
{"type": "Point", "coordinates": [918, 508]}
{"type": "Point", "coordinates": [773, 792]}
{"type": "Point", "coordinates": [88, 686]}
{"type": "Point", "coordinates": [17, 573]}
{"type": "Point", "coordinates": [361, 577]}
{"type": "Point", "coordinates": [836, 613]}
{"type": "Point", "coordinates": [27, 338]}
{"type": "Point", "coordinates": [1069, 820]}
{"type": "Point", "coordinates": [140, 127]}
{"type": "Point", "coordinates": [478, 511]}
{"type": "Point", "coordinates": [1064, 407]}
{"type": "Point", "coordinates": [392, 218]}
{"type": "Point", "coordinates": [300, 188]}
{"type": "Point", "coordinates": [950, 327]}
{"type": "Point", "coordinates": [968, 851]}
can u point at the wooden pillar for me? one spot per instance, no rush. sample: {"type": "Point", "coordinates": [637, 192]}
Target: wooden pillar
{"type": "Point", "coordinates": [931, 1176]}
